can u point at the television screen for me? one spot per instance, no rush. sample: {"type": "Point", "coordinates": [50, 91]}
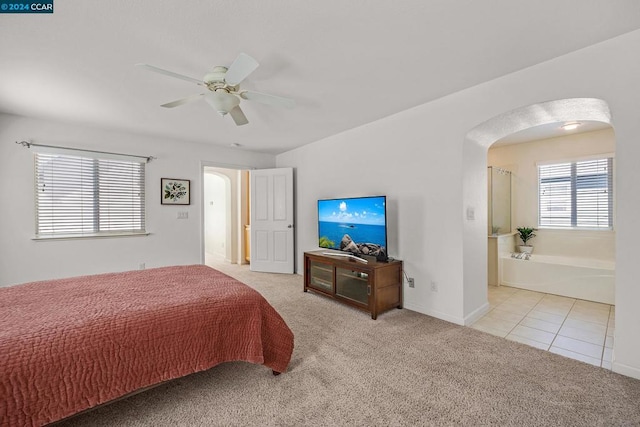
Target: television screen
{"type": "Point", "coordinates": [357, 225]}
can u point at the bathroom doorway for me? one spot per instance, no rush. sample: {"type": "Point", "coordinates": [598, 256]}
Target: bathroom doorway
{"type": "Point", "coordinates": [226, 225]}
{"type": "Point", "coordinates": [544, 308]}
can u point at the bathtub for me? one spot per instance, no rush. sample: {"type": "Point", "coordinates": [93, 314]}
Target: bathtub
{"type": "Point", "coordinates": [582, 278]}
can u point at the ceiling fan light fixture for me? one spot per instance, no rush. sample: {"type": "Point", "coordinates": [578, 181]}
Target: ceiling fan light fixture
{"type": "Point", "coordinates": [571, 125]}
{"type": "Point", "coordinates": [222, 101]}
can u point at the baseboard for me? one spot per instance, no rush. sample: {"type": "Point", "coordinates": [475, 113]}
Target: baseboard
{"type": "Point", "coordinates": [626, 370]}
{"type": "Point", "coordinates": [466, 321]}
{"type": "Point", "coordinates": [476, 314]}
{"type": "Point", "coordinates": [434, 313]}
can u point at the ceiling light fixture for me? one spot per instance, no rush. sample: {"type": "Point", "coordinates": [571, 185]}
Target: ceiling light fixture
{"type": "Point", "coordinates": [571, 125]}
{"type": "Point", "coordinates": [222, 101]}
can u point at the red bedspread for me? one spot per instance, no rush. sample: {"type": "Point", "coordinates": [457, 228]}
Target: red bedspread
{"type": "Point", "coordinates": [71, 344]}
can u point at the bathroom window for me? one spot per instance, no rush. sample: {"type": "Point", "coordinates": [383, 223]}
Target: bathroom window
{"type": "Point", "coordinates": [576, 194]}
{"type": "Point", "coordinates": [84, 196]}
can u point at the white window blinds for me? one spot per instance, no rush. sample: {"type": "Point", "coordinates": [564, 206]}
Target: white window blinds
{"type": "Point", "coordinates": [576, 194]}
{"type": "Point", "coordinates": [86, 196]}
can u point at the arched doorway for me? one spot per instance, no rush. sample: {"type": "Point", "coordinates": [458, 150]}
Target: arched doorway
{"type": "Point", "coordinates": [477, 142]}
{"type": "Point", "coordinates": [225, 213]}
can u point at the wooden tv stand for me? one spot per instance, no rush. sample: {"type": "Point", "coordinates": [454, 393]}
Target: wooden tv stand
{"type": "Point", "coordinates": [374, 287]}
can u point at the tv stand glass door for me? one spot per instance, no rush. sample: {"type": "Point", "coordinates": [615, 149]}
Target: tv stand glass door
{"type": "Point", "coordinates": [353, 285]}
{"type": "Point", "coordinates": [321, 276]}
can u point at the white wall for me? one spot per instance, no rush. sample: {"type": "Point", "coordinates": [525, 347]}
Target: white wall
{"type": "Point", "coordinates": [521, 159]}
{"type": "Point", "coordinates": [171, 241]}
{"type": "Point", "coordinates": [216, 195]}
{"type": "Point", "coordinates": [414, 163]}
{"type": "Point", "coordinates": [433, 173]}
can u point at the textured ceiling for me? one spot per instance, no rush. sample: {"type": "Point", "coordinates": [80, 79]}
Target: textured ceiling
{"type": "Point", "coordinates": [345, 63]}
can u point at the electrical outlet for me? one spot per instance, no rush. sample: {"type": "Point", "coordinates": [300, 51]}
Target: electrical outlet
{"type": "Point", "coordinates": [434, 286]}
{"type": "Point", "coordinates": [411, 282]}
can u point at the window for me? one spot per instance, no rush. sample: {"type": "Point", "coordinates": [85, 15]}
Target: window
{"type": "Point", "coordinates": [78, 196]}
{"type": "Point", "coordinates": [576, 194]}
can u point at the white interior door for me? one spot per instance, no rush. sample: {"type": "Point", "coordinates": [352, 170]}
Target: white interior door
{"type": "Point", "coordinates": [272, 220]}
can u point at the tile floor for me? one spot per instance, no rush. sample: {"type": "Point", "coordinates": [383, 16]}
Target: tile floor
{"type": "Point", "coordinates": [573, 328]}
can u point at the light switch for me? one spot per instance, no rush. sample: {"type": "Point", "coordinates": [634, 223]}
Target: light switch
{"type": "Point", "coordinates": [183, 215]}
{"type": "Point", "coordinates": [471, 213]}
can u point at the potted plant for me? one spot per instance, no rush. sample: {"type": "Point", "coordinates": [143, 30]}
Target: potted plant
{"type": "Point", "coordinates": [526, 234]}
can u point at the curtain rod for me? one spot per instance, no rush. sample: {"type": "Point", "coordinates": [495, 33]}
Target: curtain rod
{"type": "Point", "coordinates": [31, 144]}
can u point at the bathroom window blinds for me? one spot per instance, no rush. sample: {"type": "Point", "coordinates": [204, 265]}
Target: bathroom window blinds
{"type": "Point", "coordinates": [82, 196]}
{"type": "Point", "coordinates": [576, 194]}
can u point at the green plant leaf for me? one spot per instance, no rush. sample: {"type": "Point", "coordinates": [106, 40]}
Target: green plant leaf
{"type": "Point", "coordinates": [526, 234]}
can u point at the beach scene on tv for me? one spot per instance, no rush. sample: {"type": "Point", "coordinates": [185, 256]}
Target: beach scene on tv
{"type": "Point", "coordinates": [355, 225]}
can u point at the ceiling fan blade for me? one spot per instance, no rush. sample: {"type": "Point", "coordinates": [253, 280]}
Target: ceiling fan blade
{"type": "Point", "coordinates": [268, 99]}
{"type": "Point", "coordinates": [170, 73]}
{"type": "Point", "coordinates": [240, 69]}
{"type": "Point", "coordinates": [183, 101]}
{"type": "Point", "coordinates": [238, 116]}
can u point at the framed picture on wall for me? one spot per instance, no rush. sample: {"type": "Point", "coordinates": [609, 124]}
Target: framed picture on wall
{"type": "Point", "coordinates": [175, 191]}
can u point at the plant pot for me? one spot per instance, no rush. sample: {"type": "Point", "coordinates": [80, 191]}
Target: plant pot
{"type": "Point", "coordinates": [525, 249]}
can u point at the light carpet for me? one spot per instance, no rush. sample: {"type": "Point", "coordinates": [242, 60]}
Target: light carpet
{"type": "Point", "coordinates": [403, 369]}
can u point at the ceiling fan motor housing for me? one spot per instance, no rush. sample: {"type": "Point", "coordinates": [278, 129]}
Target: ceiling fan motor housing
{"type": "Point", "coordinates": [215, 76]}
{"type": "Point", "coordinates": [216, 80]}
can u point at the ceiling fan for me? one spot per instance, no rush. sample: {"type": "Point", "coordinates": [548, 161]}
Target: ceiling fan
{"type": "Point", "coordinates": [224, 93]}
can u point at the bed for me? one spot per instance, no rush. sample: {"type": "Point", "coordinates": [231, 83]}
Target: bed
{"type": "Point", "coordinates": [68, 345]}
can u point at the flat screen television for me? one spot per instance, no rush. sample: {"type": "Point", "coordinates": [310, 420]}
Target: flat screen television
{"type": "Point", "coordinates": [357, 225]}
